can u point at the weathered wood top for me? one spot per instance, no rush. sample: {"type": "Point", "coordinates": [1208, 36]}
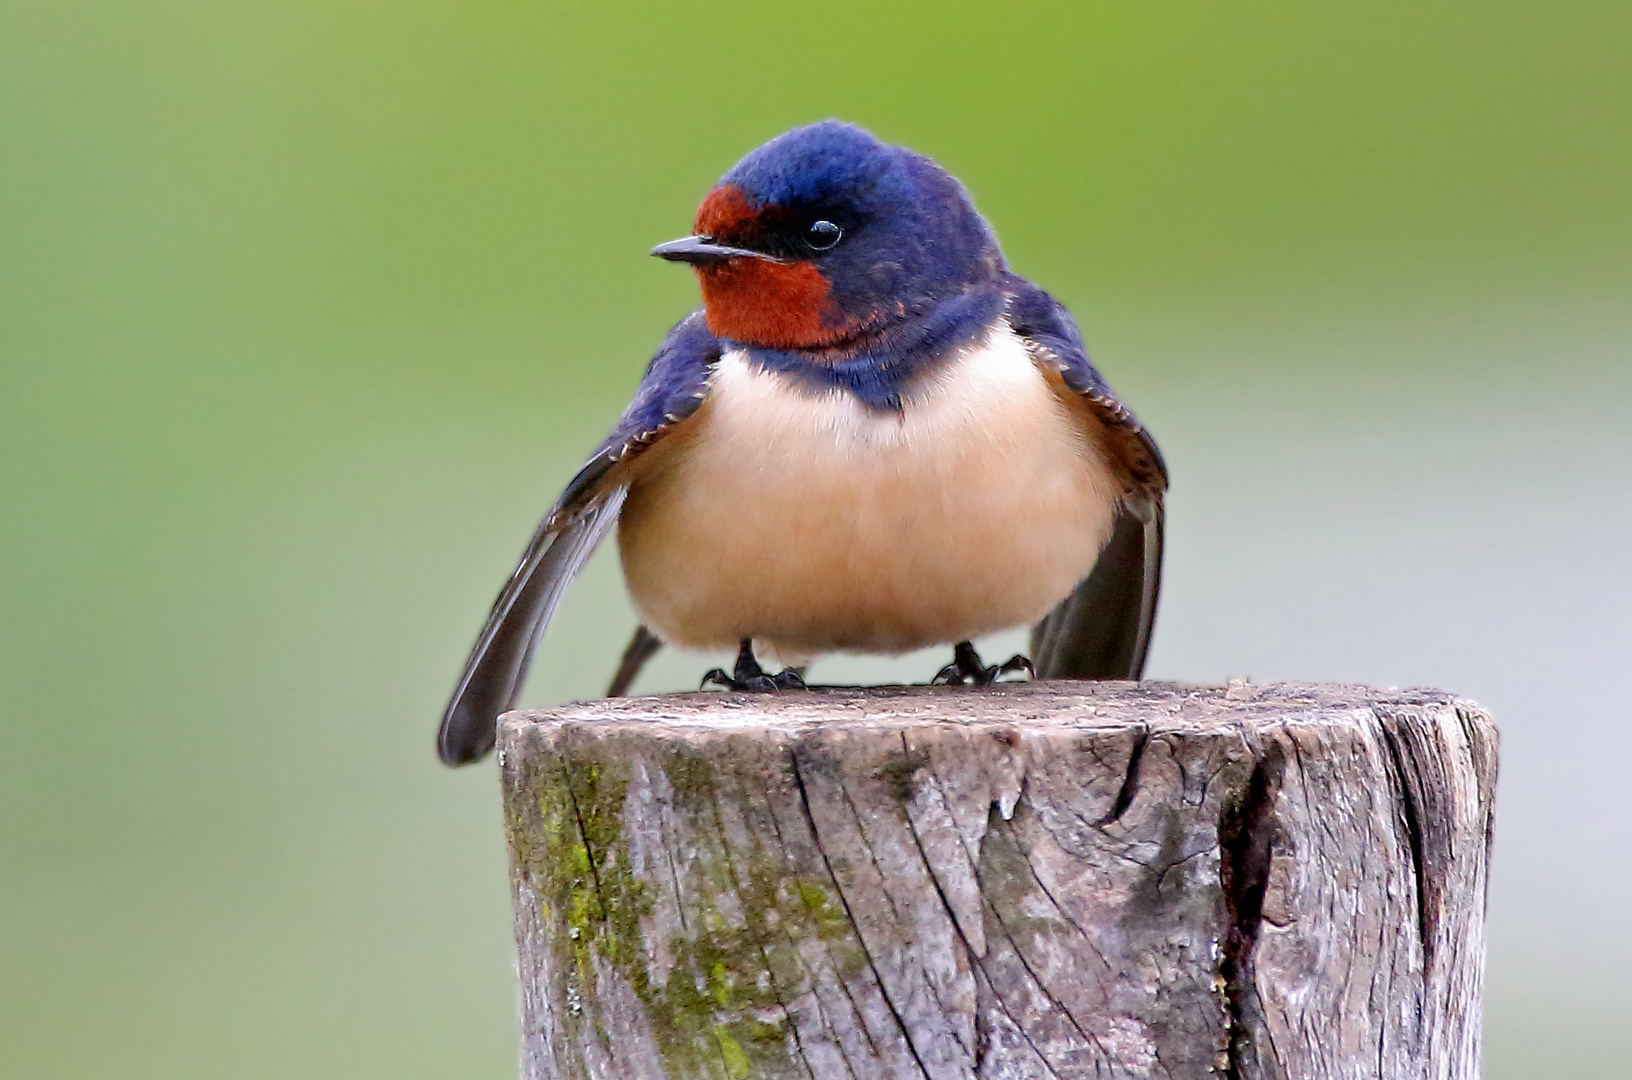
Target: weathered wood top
{"type": "Point", "coordinates": [1034, 880]}
{"type": "Point", "coordinates": [1170, 706]}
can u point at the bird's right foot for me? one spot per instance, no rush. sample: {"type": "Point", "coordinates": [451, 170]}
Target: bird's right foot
{"type": "Point", "coordinates": [749, 677]}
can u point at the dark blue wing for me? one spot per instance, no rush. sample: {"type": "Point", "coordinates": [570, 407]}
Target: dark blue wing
{"type": "Point", "coordinates": [675, 384]}
{"type": "Point", "coordinates": [1102, 630]}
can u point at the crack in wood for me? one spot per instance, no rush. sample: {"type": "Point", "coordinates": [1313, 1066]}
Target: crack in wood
{"type": "Point", "coordinates": [1065, 916]}
{"type": "Point", "coordinates": [1480, 740]}
{"type": "Point", "coordinates": [861, 831]}
{"type": "Point", "coordinates": [826, 1021]}
{"type": "Point", "coordinates": [1246, 830]}
{"type": "Point", "coordinates": [664, 825]}
{"type": "Point", "coordinates": [583, 837]}
{"type": "Point", "coordinates": [976, 965]}
{"type": "Point", "coordinates": [1405, 785]}
{"type": "Point", "coordinates": [850, 916]}
{"type": "Point", "coordinates": [995, 822]}
{"type": "Point", "coordinates": [758, 938]}
{"type": "Point", "coordinates": [789, 865]}
{"type": "Point", "coordinates": [1130, 778]}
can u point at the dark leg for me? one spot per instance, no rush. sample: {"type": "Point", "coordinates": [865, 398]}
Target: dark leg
{"type": "Point", "coordinates": [641, 647]}
{"type": "Point", "coordinates": [966, 668]}
{"type": "Point", "coordinates": [750, 677]}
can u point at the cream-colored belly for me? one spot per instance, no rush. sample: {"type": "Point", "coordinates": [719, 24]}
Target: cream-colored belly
{"type": "Point", "coordinates": [811, 525]}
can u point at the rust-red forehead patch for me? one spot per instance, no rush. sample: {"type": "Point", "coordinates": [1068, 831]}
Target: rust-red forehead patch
{"type": "Point", "coordinates": [725, 212]}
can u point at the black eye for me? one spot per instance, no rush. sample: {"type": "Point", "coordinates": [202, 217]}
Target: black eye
{"type": "Point", "coordinates": [822, 235]}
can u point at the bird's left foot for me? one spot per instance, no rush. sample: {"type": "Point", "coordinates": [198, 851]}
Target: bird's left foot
{"type": "Point", "coordinates": [749, 677]}
{"type": "Point", "coordinates": [966, 668]}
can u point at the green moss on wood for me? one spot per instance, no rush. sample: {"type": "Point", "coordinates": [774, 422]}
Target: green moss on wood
{"type": "Point", "coordinates": [719, 1012]}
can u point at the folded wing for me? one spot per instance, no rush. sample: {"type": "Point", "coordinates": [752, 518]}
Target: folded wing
{"type": "Point", "coordinates": [1102, 630]}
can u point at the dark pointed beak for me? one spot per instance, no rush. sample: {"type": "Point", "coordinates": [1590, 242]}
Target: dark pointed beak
{"type": "Point", "coordinates": [702, 250]}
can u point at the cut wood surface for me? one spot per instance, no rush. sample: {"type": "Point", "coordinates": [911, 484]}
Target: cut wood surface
{"type": "Point", "coordinates": [1049, 880]}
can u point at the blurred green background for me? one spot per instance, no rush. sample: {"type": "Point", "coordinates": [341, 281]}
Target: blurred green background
{"type": "Point", "coordinates": [308, 309]}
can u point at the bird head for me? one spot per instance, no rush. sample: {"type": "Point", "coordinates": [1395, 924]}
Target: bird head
{"type": "Point", "coordinates": [825, 234]}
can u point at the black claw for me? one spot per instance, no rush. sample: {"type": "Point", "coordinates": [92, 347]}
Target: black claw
{"type": "Point", "coordinates": [789, 680]}
{"type": "Point", "coordinates": [1016, 663]}
{"type": "Point", "coordinates": [967, 669]}
{"type": "Point", "coordinates": [750, 678]}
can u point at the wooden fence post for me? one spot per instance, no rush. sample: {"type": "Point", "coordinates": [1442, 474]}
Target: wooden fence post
{"type": "Point", "coordinates": [1050, 880]}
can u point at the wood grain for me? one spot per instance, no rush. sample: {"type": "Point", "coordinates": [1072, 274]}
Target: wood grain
{"type": "Point", "coordinates": [1041, 880]}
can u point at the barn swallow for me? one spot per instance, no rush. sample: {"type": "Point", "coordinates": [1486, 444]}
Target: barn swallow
{"type": "Point", "coordinates": [872, 437]}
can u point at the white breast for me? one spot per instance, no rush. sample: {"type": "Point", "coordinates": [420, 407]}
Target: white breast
{"type": "Point", "coordinates": [812, 524]}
